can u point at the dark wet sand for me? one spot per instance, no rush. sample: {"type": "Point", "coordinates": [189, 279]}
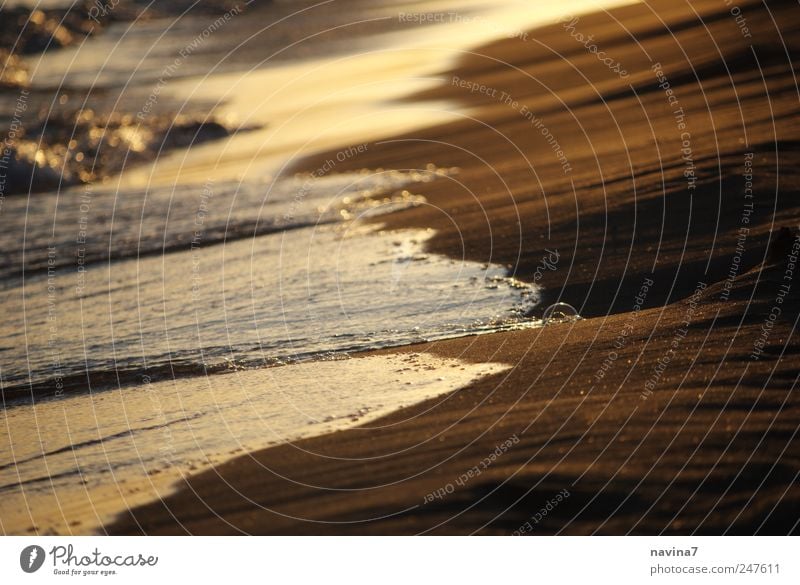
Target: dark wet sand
{"type": "Point", "coordinates": [705, 442]}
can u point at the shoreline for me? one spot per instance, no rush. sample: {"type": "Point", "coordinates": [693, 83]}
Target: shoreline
{"type": "Point", "coordinates": [258, 408]}
{"type": "Point", "coordinates": [652, 413]}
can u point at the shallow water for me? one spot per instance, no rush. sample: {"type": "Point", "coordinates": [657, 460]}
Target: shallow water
{"type": "Point", "coordinates": [175, 344]}
{"type": "Point", "coordinates": [216, 302]}
{"type": "Point", "coordinates": [314, 75]}
{"type": "Point", "coordinates": [99, 454]}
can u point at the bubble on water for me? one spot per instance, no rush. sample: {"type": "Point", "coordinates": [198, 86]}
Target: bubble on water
{"type": "Point", "coordinates": [560, 313]}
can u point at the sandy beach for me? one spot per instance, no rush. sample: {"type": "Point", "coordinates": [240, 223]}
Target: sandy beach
{"type": "Point", "coordinates": [646, 177]}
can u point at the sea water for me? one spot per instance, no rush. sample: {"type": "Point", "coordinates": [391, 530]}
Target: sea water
{"type": "Point", "coordinates": [181, 283]}
{"type": "Point", "coordinates": [180, 333]}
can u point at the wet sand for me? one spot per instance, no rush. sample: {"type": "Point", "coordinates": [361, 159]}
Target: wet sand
{"type": "Point", "coordinates": [672, 407]}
